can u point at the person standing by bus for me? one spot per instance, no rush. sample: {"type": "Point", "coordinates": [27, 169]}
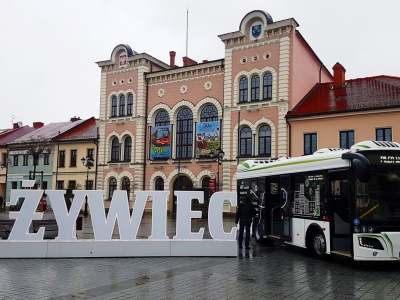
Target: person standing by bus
{"type": "Point", "coordinates": [244, 215]}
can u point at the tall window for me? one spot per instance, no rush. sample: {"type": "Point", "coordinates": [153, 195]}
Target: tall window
{"type": "Point", "coordinates": [384, 134]}
{"type": "Point", "coordinates": [60, 185]}
{"type": "Point", "coordinates": [255, 88]}
{"type": "Point", "coordinates": [127, 148]}
{"type": "Point", "coordinates": [89, 184]}
{"type": "Point", "coordinates": [184, 134]}
{"type": "Point", "coordinates": [112, 186]}
{"type": "Point", "coordinates": [129, 108]}
{"type": "Point", "coordinates": [74, 154]}
{"type": "Point", "coordinates": [61, 159]}
{"type": "Point", "coordinates": [90, 153]}
{"type": "Point", "coordinates": [346, 139]}
{"type": "Point", "coordinates": [310, 143]}
{"type": "Point", "coordinates": [159, 184]}
{"type": "Point", "coordinates": [162, 118]}
{"type": "Point", "coordinates": [245, 141]}
{"type": "Point", "coordinates": [115, 150]}
{"type": "Point", "coordinates": [126, 185]}
{"type": "Point", "coordinates": [209, 114]}
{"type": "Point", "coordinates": [267, 86]}
{"type": "Point", "coordinates": [122, 105]}
{"type": "Point", "coordinates": [264, 140]}
{"type": "Point", "coordinates": [114, 106]}
{"type": "Point", "coordinates": [243, 86]}
{"type": "Point", "coordinates": [46, 159]}
{"type": "Point", "coordinates": [25, 160]}
{"type": "Point", "coordinates": [15, 160]}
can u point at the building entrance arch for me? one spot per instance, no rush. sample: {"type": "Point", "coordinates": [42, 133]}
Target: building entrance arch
{"type": "Point", "coordinates": [181, 183]}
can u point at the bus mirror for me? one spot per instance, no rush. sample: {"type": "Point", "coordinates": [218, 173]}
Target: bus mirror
{"type": "Point", "coordinates": [361, 164]}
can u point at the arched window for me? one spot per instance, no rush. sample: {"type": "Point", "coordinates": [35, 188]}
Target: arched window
{"type": "Point", "coordinates": [115, 150]}
{"type": "Point", "coordinates": [267, 86]}
{"type": "Point", "coordinates": [127, 148]}
{"type": "Point", "coordinates": [159, 184]}
{"type": "Point", "coordinates": [255, 88]}
{"type": "Point", "coordinates": [122, 105]}
{"type": "Point", "coordinates": [264, 140]}
{"type": "Point", "coordinates": [245, 141]}
{"type": "Point", "coordinates": [205, 182]}
{"type": "Point", "coordinates": [112, 186]}
{"type": "Point", "coordinates": [209, 114]}
{"type": "Point", "coordinates": [243, 86]}
{"type": "Point", "coordinates": [126, 185]}
{"type": "Point", "coordinates": [162, 118]}
{"type": "Point", "coordinates": [129, 108]}
{"type": "Point", "coordinates": [114, 105]}
{"type": "Point", "coordinates": [184, 134]}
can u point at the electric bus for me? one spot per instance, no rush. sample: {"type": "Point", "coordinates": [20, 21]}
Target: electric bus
{"type": "Point", "coordinates": [335, 201]}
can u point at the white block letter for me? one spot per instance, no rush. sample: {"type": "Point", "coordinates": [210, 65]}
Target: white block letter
{"type": "Point", "coordinates": [215, 216]}
{"type": "Point", "coordinates": [184, 214]}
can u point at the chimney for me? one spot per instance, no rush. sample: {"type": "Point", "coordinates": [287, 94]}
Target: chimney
{"type": "Point", "coordinates": [37, 125]}
{"type": "Point", "coordinates": [73, 119]}
{"type": "Point", "coordinates": [172, 58]}
{"type": "Point", "coordinates": [15, 125]}
{"type": "Point", "coordinates": [339, 87]}
{"type": "Point", "coordinates": [338, 75]}
{"type": "Point", "coordinates": [205, 60]}
{"type": "Point", "coordinates": [188, 62]}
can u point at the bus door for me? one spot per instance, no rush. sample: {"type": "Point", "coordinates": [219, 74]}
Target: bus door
{"type": "Point", "coordinates": [339, 212]}
{"type": "Point", "coordinates": [285, 208]}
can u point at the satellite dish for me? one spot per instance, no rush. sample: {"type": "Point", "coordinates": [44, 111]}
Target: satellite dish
{"type": "Point", "coordinates": [20, 124]}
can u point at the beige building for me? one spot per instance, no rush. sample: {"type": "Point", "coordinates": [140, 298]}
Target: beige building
{"type": "Point", "coordinates": [343, 112]}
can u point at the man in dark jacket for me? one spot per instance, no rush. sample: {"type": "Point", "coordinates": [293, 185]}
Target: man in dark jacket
{"type": "Point", "coordinates": [245, 214]}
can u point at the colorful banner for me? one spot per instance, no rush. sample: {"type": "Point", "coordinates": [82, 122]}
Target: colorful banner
{"type": "Point", "coordinates": [207, 137]}
{"type": "Point", "coordinates": [160, 137]}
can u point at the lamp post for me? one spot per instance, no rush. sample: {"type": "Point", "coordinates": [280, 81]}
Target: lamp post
{"type": "Point", "coordinates": [218, 158]}
{"type": "Point", "coordinates": [87, 162]}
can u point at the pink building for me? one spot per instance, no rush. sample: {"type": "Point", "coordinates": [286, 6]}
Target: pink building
{"type": "Point", "coordinates": [160, 123]}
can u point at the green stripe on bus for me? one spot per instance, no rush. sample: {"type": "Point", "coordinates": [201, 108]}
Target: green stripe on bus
{"type": "Point", "coordinates": [290, 164]}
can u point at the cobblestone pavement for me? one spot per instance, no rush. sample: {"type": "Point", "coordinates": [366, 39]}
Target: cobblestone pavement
{"type": "Point", "coordinates": [278, 272]}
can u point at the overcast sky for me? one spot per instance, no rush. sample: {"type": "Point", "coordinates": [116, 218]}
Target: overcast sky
{"type": "Point", "coordinates": [49, 48]}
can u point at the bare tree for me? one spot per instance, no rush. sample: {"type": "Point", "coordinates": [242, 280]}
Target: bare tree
{"type": "Point", "coordinates": [36, 147]}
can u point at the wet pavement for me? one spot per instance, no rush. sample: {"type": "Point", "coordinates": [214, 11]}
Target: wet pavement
{"type": "Point", "coordinates": [263, 272]}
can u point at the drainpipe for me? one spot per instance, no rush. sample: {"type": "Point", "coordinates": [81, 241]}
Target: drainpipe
{"type": "Point", "coordinates": [289, 138]}
{"type": "Point", "coordinates": [58, 153]}
{"type": "Point", "coordinates": [96, 142]}
{"type": "Point", "coordinates": [145, 126]}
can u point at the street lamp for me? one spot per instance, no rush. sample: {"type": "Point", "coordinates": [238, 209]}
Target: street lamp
{"type": "Point", "coordinates": [218, 158]}
{"type": "Point", "coordinates": [87, 162]}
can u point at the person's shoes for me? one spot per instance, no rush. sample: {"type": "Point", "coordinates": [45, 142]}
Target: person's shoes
{"type": "Point", "coordinates": [247, 248]}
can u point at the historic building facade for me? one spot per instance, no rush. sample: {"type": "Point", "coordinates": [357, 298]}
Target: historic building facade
{"type": "Point", "coordinates": [161, 125]}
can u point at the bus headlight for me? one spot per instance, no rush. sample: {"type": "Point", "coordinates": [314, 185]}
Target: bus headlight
{"type": "Point", "coordinates": [369, 242]}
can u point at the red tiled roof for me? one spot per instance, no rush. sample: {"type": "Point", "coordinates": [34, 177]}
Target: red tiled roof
{"type": "Point", "coordinates": [52, 130]}
{"type": "Point", "coordinates": [356, 94]}
{"type": "Point", "coordinates": [12, 134]}
{"type": "Point", "coordinates": [82, 132]}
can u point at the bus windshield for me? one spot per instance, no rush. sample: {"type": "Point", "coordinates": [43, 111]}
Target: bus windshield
{"type": "Point", "coordinates": [379, 198]}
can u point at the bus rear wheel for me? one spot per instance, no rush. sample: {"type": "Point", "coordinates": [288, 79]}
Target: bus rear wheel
{"type": "Point", "coordinates": [318, 244]}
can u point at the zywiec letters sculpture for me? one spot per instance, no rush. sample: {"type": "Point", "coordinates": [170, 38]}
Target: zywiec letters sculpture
{"type": "Point", "coordinates": [22, 243]}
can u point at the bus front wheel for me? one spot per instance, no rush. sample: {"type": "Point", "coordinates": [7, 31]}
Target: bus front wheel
{"type": "Point", "coordinates": [317, 244]}
{"type": "Point", "coordinates": [259, 231]}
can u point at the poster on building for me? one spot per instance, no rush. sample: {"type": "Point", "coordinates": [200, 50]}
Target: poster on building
{"type": "Point", "coordinates": [160, 137]}
{"type": "Point", "coordinates": [207, 137]}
